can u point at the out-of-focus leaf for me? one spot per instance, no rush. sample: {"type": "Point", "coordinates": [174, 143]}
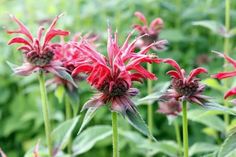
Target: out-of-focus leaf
{"type": "Point", "coordinates": [214, 84]}
{"type": "Point", "coordinates": [88, 116]}
{"type": "Point", "coordinates": [172, 35]}
{"type": "Point", "coordinates": [202, 148]}
{"type": "Point", "coordinates": [65, 75]}
{"type": "Point", "coordinates": [74, 99]}
{"type": "Point", "coordinates": [218, 107]}
{"type": "Point", "coordinates": [214, 26]}
{"type": "Point", "coordinates": [228, 148]}
{"type": "Point", "coordinates": [42, 152]}
{"type": "Point", "coordinates": [59, 93]}
{"type": "Point", "coordinates": [62, 133]}
{"type": "Point", "coordinates": [210, 132]}
{"type": "Point", "coordinates": [212, 121]}
{"type": "Point", "coordinates": [89, 137]}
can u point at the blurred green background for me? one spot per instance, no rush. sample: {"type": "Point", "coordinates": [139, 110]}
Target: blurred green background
{"type": "Point", "coordinates": [21, 122]}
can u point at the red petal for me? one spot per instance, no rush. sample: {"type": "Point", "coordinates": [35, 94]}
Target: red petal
{"type": "Point", "coordinates": [141, 17]}
{"type": "Point", "coordinates": [19, 40]}
{"type": "Point", "coordinates": [173, 63]}
{"type": "Point", "coordinates": [156, 24]}
{"type": "Point", "coordinates": [144, 72]}
{"type": "Point", "coordinates": [231, 92]}
{"type": "Point", "coordinates": [195, 72]}
{"type": "Point", "coordinates": [223, 75]}
{"type": "Point", "coordinates": [174, 74]}
{"type": "Point", "coordinates": [82, 68]}
{"type": "Point", "coordinates": [230, 60]}
{"type": "Point", "coordinates": [22, 30]}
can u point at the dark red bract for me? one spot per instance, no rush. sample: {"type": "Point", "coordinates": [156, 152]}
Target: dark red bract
{"type": "Point", "coordinates": [186, 88]}
{"type": "Point", "coordinates": [113, 75]}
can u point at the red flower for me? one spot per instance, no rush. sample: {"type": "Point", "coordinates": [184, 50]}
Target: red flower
{"type": "Point", "coordinates": [112, 76]}
{"type": "Point", "coordinates": [223, 75]}
{"type": "Point", "coordinates": [150, 32]}
{"type": "Point", "coordinates": [38, 52]}
{"type": "Point", "coordinates": [170, 107]}
{"type": "Point", "coordinates": [188, 88]}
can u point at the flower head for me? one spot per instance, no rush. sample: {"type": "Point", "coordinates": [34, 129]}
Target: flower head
{"type": "Point", "coordinates": [152, 31]}
{"type": "Point", "coordinates": [170, 107]}
{"type": "Point", "coordinates": [185, 87]}
{"type": "Point", "coordinates": [39, 52]}
{"type": "Point", "coordinates": [223, 75]}
{"type": "Point", "coordinates": [113, 75]}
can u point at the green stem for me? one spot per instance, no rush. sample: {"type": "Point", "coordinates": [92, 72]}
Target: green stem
{"type": "Point", "coordinates": [178, 137]}
{"type": "Point", "coordinates": [68, 116]}
{"type": "Point", "coordinates": [150, 109]}
{"type": "Point", "coordinates": [45, 108]}
{"type": "Point", "coordinates": [185, 128]}
{"type": "Point", "coordinates": [115, 135]}
{"type": "Point", "coordinates": [226, 51]}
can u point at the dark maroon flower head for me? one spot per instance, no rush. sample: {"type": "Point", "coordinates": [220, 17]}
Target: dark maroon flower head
{"type": "Point", "coordinates": [223, 75]}
{"type": "Point", "coordinates": [170, 107]}
{"type": "Point", "coordinates": [150, 32]}
{"type": "Point", "coordinates": [185, 87]}
{"type": "Point", "coordinates": [113, 75]}
{"type": "Point", "coordinates": [39, 53]}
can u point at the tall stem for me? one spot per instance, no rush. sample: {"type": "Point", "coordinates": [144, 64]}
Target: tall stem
{"type": "Point", "coordinates": [68, 116]}
{"type": "Point", "coordinates": [115, 135]}
{"type": "Point", "coordinates": [150, 109]}
{"type": "Point", "coordinates": [178, 137]}
{"type": "Point", "coordinates": [185, 128]}
{"type": "Point", "coordinates": [45, 108]}
{"type": "Point", "coordinates": [226, 51]}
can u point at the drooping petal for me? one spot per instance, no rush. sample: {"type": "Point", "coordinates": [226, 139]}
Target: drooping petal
{"type": "Point", "coordinates": [82, 68]}
{"type": "Point", "coordinates": [144, 72]}
{"type": "Point", "coordinates": [223, 75]}
{"type": "Point", "coordinates": [25, 69]}
{"type": "Point", "coordinates": [229, 93]}
{"type": "Point", "coordinates": [174, 74]}
{"type": "Point", "coordinates": [195, 72]}
{"type": "Point", "coordinates": [19, 40]}
{"type": "Point", "coordinates": [22, 29]}
{"type": "Point", "coordinates": [174, 64]}
{"type": "Point", "coordinates": [230, 60]}
{"type": "Point", "coordinates": [141, 17]}
{"type": "Point", "coordinates": [95, 102]}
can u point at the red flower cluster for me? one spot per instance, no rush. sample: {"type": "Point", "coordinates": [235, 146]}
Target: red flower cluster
{"type": "Point", "coordinates": [112, 76]}
{"type": "Point", "coordinates": [39, 53]}
{"type": "Point", "coordinates": [223, 75]}
{"type": "Point", "coordinates": [185, 88]}
{"type": "Point", "coordinates": [150, 32]}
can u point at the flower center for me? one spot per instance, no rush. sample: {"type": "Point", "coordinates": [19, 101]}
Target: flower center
{"type": "Point", "coordinates": [39, 59]}
{"type": "Point", "coordinates": [185, 89]}
{"type": "Point", "coordinates": [118, 88]}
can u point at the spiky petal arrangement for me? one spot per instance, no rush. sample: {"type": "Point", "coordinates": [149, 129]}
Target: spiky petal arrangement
{"type": "Point", "coordinates": [39, 53]}
{"type": "Point", "coordinates": [185, 87]}
{"type": "Point", "coordinates": [152, 31]}
{"type": "Point", "coordinates": [223, 75]}
{"type": "Point", "coordinates": [113, 75]}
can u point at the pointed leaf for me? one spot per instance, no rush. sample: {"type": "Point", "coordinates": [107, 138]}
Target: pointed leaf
{"type": "Point", "coordinates": [202, 148]}
{"type": "Point", "coordinates": [61, 134]}
{"type": "Point", "coordinates": [228, 148]}
{"type": "Point", "coordinates": [65, 75]}
{"type": "Point", "coordinates": [74, 99]}
{"type": "Point", "coordinates": [89, 137]}
{"type": "Point", "coordinates": [213, 83]}
{"type": "Point", "coordinates": [87, 118]}
{"type": "Point", "coordinates": [218, 107]}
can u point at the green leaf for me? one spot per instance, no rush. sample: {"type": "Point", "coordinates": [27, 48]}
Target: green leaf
{"type": "Point", "coordinates": [74, 99]}
{"type": "Point", "coordinates": [214, 84]}
{"type": "Point", "coordinates": [61, 134]}
{"type": "Point", "coordinates": [89, 137]}
{"type": "Point", "coordinates": [135, 119]}
{"type": "Point", "coordinates": [214, 26]}
{"type": "Point", "coordinates": [220, 108]}
{"type": "Point", "coordinates": [202, 148]}
{"type": "Point", "coordinates": [228, 148]}
{"type": "Point", "coordinates": [59, 93]}
{"type": "Point", "coordinates": [65, 75]}
{"type": "Point", "coordinates": [207, 119]}
{"type": "Point", "coordinates": [87, 118]}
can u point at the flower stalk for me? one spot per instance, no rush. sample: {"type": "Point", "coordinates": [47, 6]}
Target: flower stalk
{"type": "Point", "coordinates": [68, 116]}
{"type": "Point", "coordinates": [226, 52]}
{"type": "Point", "coordinates": [178, 137]}
{"type": "Point", "coordinates": [45, 108]}
{"type": "Point", "coordinates": [150, 108]}
{"type": "Point", "coordinates": [185, 128]}
{"type": "Point", "coordinates": [115, 135]}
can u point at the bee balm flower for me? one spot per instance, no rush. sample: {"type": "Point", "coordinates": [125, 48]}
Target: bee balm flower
{"type": "Point", "coordinates": [38, 52]}
{"type": "Point", "coordinates": [113, 76]}
{"type": "Point", "coordinates": [185, 87]}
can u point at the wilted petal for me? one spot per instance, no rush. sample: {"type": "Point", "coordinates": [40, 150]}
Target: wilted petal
{"type": "Point", "coordinates": [95, 102]}
{"type": "Point", "coordinates": [25, 69]}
